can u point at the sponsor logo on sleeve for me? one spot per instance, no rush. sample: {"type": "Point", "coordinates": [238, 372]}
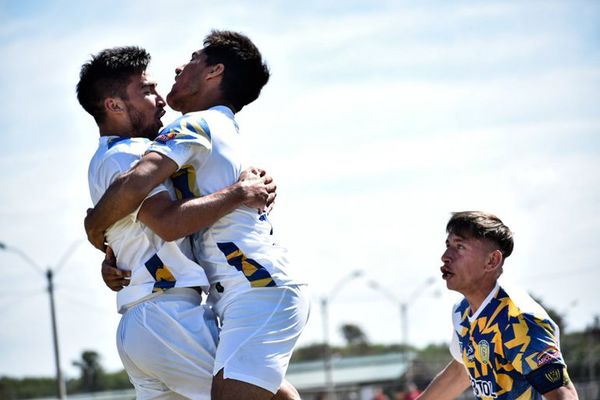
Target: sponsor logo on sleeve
{"type": "Point", "coordinates": [164, 138]}
{"type": "Point", "coordinates": [549, 355]}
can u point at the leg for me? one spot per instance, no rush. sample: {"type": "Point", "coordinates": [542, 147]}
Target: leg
{"type": "Point", "coordinates": [257, 325]}
{"type": "Point", "coordinates": [232, 389]}
{"type": "Point", "coordinates": [287, 392]}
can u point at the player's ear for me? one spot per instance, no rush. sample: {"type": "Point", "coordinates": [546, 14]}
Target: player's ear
{"type": "Point", "coordinates": [494, 260]}
{"type": "Point", "coordinates": [215, 70]}
{"type": "Point", "coordinates": [114, 104]}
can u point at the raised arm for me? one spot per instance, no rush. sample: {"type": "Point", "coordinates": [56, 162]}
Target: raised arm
{"type": "Point", "coordinates": [448, 384]}
{"type": "Point", "coordinates": [172, 220]}
{"type": "Point", "coordinates": [126, 193]}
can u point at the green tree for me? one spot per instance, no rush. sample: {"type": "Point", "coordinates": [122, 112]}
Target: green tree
{"type": "Point", "coordinates": [92, 374]}
{"type": "Point", "coordinates": [354, 335]}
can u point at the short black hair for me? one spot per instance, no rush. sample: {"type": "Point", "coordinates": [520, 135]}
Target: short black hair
{"type": "Point", "coordinates": [482, 225]}
{"type": "Point", "coordinates": [107, 74]}
{"type": "Point", "coordinates": [245, 71]}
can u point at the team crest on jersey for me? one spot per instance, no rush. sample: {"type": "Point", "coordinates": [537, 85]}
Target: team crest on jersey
{"type": "Point", "coordinates": [549, 355]}
{"type": "Point", "coordinates": [484, 351]}
{"type": "Point", "coordinates": [470, 352]}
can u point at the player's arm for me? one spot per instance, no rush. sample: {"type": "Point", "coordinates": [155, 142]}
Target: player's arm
{"type": "Point", "coordinates": [126, 193]}
{"type": "Point", "coordinates": [172, 220]}
{"type": "Point", "coordinates": [553, 382]}
{"type": "Point", "coordinates": [448, 384]}
{"type": "Point", "coordinates": [567, 392]}
{"type": "Point", "coordinates": [113, 277]}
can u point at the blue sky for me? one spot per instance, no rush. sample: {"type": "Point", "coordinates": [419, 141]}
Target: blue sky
{"type": "Point", "coordinates": [379, 120]}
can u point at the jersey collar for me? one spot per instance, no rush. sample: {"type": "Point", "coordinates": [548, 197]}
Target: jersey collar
{"type": "Point", "coordinates": [485, 303]}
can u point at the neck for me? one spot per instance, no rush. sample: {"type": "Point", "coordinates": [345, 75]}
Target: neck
{"type": "Point", "coordinates": [111, 129]}
{"type": "Point", "coordinates": [476, 298]}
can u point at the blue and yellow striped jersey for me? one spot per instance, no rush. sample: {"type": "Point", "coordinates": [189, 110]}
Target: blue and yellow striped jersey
{"type": "Point", "coordinates": [506, 339]}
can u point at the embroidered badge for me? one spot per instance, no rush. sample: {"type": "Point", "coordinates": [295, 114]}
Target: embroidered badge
{"type": "Point", "coordinates": [484, 351]}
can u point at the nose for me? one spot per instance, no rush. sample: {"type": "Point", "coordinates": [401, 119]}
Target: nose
{"type": "Point", "coordinates": [179, 69]}
{"type": "Point", "coordinates": [446, 256]}
{"type": "Point", "coordinates": [160, 101]}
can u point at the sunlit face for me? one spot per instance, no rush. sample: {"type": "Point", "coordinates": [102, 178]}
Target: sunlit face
{"type": "Point", "coordinates": [189, 83]}
{"type": "Point", "coordinates": [145, 106]}
{"type": "Point", "coordinates": [465, 263]}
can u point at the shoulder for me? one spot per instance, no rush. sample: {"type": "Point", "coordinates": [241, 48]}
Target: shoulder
{"type": "Point", "coordinates": [521, 303]}
{"type": "Point", "coordinates": [194, 123]}
{"type": "Point", "coordinates": [119, 152]}
{"type": "Point", "coordinates": [460, 312]}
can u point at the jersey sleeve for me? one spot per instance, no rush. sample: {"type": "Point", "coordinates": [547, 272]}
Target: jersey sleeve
{"type": "Point", "coordinates": [185, 140]}
{"type": "Point", "coordinates": [455, 348]}
{"type": "Point", "coordinates": [531, 343]}
{"type": "Point", "coordinates": [111, 168]}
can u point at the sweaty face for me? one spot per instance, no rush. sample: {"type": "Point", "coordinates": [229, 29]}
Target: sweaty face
{"type": "Point", "coordinates": [189, 79]}
{"type": "Point", "coordinates": [145, 106]}
{"type": "Point", "coordinates": [464, 263]}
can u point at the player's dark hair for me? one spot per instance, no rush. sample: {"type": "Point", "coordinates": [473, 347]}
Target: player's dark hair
{"type": "Point", "coordinates": [482, 225]}
{"type": "Point", "coordinates": [107, 74]}
{"type": "Point", "coordinates": [245, 71]}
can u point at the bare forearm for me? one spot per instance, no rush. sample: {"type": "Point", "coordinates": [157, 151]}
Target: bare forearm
{"type": "Point", "coordinates": [448, 384]}
{"type": "Point", "coordinates": [119, 200]}
{"type": "Point", "coordinates": [126, 193]}
{"type": "Point", "coordinates": [567, 392]}
{"type": "Point", "coordinates": [173, 220]}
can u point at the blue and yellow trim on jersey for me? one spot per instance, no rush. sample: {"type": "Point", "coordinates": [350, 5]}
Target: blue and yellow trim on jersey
{"type": "Point", "coordinates": [503, 345]}
{"type": "Point", "coordinates": [184, 182]}
{"type": "Point", "coordinates": [161, 274]}
{"type": "Point", "coordinates": [256, 274]}
{"type": "Point", "coordinates": [185, 129]}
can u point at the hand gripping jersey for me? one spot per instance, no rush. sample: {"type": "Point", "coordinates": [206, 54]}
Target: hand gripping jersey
{"type": "Point", "coordinates": [155, 265]}
{"type": "Point", "coordinates": [239, 248]}
{"type": "Point", "coordinates": [509, 346]}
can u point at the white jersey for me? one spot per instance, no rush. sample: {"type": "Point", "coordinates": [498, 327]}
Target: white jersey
{"type": "Point", "coordinates": [240, 247]}
{"type": "Point", "coordinates": [155, 265]}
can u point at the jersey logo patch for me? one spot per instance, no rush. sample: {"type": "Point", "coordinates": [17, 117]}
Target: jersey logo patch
{"type": "Point", "coordinates": [553, 375]}
{"type": "Point", "coordinates": [256, 274]}
{"type": "Point", "coordinates": [164, 138]}
{"type": "Point", "coordinates": [484, 351]}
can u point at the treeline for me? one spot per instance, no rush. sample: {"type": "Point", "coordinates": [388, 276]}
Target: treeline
{"type": "Point", "coordinates": [581, 350]}
{"type": "Point", "coordinates": [92, 378]}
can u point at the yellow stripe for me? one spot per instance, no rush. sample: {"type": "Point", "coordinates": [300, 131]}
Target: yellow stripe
{"type": "Point", "coordinates": [234, 254]}
{"type": "Point", "coordinates": [261, 282]}
{"type": "Point", "coordinates": [248, 268]}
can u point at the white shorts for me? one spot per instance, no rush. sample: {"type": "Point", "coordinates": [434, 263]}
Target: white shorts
{"type": "Point", "coordinates": [259, 328]}
{"type": "Point", "coordinates": [167, 345]}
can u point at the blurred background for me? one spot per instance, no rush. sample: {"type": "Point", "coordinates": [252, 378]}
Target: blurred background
{"type": "Point", "coordinates": [380, 119]}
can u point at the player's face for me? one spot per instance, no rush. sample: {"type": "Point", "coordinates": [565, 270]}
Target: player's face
{"type": "Point", "coordinates": [145, 106]}
{"type": "Point", "coordinates": [189, 83]}
{"type": "Point", "coordinates": [464, 263]}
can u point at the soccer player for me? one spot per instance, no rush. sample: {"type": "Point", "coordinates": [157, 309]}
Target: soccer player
{"type": "Point", "coordinates": [166, 339]}
{"type": "Point", "coordinates": [261, 306]}
{"type": "Point", "coordinates": [503, 344]}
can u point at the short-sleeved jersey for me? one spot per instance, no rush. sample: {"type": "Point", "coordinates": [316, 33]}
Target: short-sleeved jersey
{"type": "Point", "coordinates": [506, 339]}
{"type": "Point", "coordinates": [155, 265]}
{"type": "Point", "coordinates": [208, 149]}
